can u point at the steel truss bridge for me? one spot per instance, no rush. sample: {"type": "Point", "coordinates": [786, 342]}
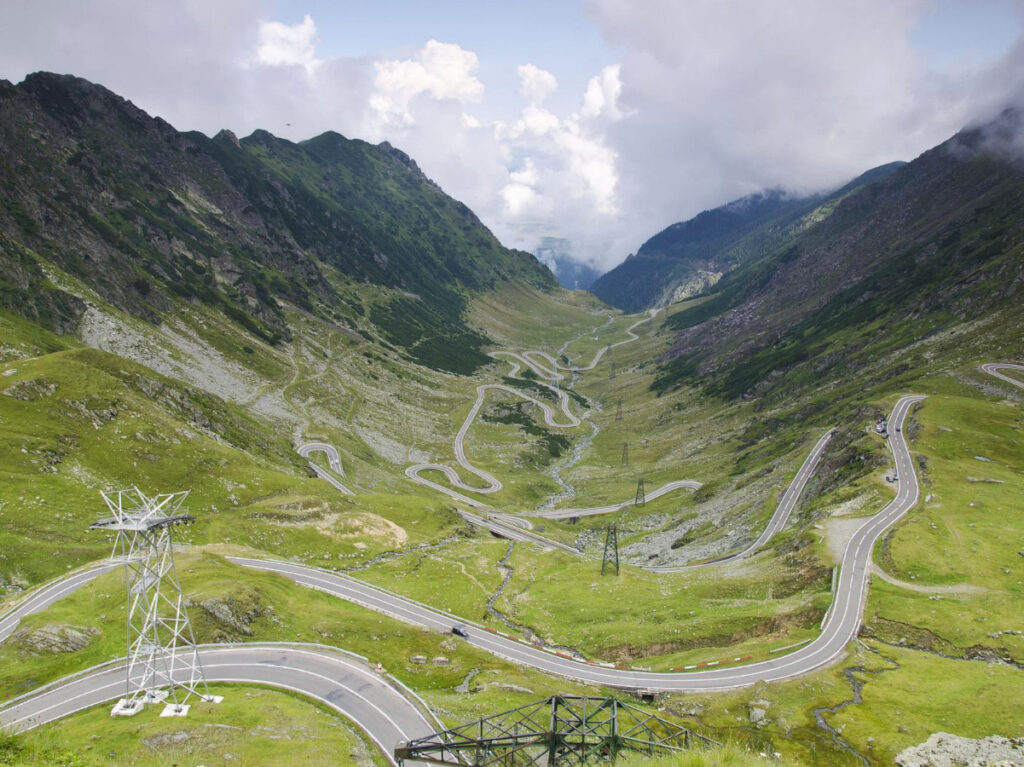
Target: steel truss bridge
{"type": "Point", "coordinates": [560, 731]}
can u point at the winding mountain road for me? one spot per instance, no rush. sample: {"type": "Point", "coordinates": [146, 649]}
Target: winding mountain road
{"type": "Point", "coordinates": [839, 627]}
{"type": "Point", "coordinates": [343, 682]}
{"type": "Point", "coordinates": [550, 370]}
{"type": "Point", "coordinates": [511, 527]}
{"type": "Point", "coordinates": [333, 460]}
{"type": "Point", "coordinates": [993, 368]}
{"type": "Point", "coordinates": [351, 688]}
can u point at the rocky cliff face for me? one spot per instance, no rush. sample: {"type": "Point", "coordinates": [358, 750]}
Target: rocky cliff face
{"type": "Point", "coordinates": [147, 215]}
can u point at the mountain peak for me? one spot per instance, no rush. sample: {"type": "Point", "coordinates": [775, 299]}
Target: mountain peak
{"type": "Point", "coordinates": [1002, 136]}
{"type": "Point", "coordinates": [225, 135]}
{"type": "Point", "coordinates": [397, 154]}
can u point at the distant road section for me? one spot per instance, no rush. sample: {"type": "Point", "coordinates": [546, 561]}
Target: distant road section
{"type": "Point", "coordinates": [333, 460]}
{"type": "Point", "coordinates": [668, 487]}
{"type": "Point", "coordinates": [546, 368]}
{"type": "Point", "coordinates": [503, 524]}
{"type": "Point", "coordinates": [781, 516]}
{"type": "Point", "coordinates": [993, 368]}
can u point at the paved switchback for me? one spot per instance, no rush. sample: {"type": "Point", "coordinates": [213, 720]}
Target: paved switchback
{"type": "Point", "coordinates": [993, 368]}
{"type": "Point", "coordinates": [333, 460]}
{"type": "Point", "coordinates": [550, 371]}
{"type": "Point", "coordinates": [342, 682]}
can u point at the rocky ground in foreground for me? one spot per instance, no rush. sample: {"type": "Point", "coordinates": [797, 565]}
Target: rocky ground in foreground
{"type": "Point", "coordinates": [945, 750]}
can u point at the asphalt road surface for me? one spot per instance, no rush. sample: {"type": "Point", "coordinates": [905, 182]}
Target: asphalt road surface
{"type": "Point", "coordinates": [346, 684]}
{"type": "Point", "coordinates": [46, 595]}
{"type": "Point", "coordinates": [333, 460]}
{"type": "Point", "coordinates": [781, 516]}
{"type": "Point", "coordinates": [993, 368]}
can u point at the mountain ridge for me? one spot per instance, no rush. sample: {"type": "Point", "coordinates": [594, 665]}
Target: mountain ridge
{"type": "Point", "coordinates": [687, 258]}
{"type": "Point", "coordinates": [930, 247]}
{"type": "Point", "coordinates": [148, 215]}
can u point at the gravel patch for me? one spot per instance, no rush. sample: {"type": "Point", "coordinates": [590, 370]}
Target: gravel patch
{"type": "Point", "coordinates": [171, 349]}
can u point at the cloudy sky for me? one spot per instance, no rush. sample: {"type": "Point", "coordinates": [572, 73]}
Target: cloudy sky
{"type": "Point", "coordinates": [600, 121]}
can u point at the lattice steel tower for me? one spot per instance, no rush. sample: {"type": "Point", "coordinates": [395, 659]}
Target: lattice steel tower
{"type": "Point", "coordinates": [162, 658]}
{"type": "Point", "coordinates": [610, 560]}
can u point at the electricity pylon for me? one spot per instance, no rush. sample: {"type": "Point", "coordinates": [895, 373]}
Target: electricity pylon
{"type": "Point", "coordinates": [162, 657]}
{"type": "Point", "coordinates": [610, 560]}
{"type": "Point", "coordinates": [641, 497]}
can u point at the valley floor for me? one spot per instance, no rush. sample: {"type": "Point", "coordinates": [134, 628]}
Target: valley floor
{"type": "Point", "coordinates": [940, 623]}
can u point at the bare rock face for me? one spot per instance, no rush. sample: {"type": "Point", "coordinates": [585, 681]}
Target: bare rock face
{"type": "Point", "coordinates": [235, 612]}
{"type": "Point", "coordinates": [945, 750]}
{"type": "Point", "coordinates": [30, 391]}
{"type": "Point", "coordinates": [54, 638]}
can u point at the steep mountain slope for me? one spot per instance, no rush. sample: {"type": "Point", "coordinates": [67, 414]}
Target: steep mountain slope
{"type": "Point", "coordinates": [147, 215]}
{"type": "Point", "coordinates": [935, 245]}
{"type": "Point", "coordinates": [689, 257]}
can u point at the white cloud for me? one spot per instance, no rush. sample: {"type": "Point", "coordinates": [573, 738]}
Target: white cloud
{"type": "Point", "coordinates": [518, 198]}
{"type": "Point", "coordinates": [535, 84]}
{"type": "Point", "coordinates": [525, 175]}
{"type": "Point", "coordinates": [440, 70]}
{"type": "Point", "coordinates": [602, 95]}
{"type": "Point", "coordinates": [284, 45]}
{"type": "Point", "coordinates": [719, 99]}
{"type": "Point", "coordinates": [538, 121]}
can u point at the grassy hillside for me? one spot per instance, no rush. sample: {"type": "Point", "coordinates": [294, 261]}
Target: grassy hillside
{"type": "Point", "coordinates": [745, 452]}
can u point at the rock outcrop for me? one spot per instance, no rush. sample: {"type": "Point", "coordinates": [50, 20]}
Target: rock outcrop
{"type": "Point", "coordinates": [945, 750]}
{"type": "Point", "coordinates": [54, 638]}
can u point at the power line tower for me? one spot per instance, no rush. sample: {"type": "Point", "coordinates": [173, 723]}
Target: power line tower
{"type": "Point", "coordinates": [611, 375]}
{"type": "Point", "coordinates": [641, 499]}
{"type": "Point", "coordinates": [625, 455]}
{"type": "Point", "coordinates": [610, 561]}
{"type": "Point", "coordinates": [163, 661]}
{"type": "Point", "coordinates": [562, 731]}
{"type": "Point", "coordinates": [618, 411]}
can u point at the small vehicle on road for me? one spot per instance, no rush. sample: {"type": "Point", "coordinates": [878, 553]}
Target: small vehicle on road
{"type": "Point", "coordinates": [460, 631]}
